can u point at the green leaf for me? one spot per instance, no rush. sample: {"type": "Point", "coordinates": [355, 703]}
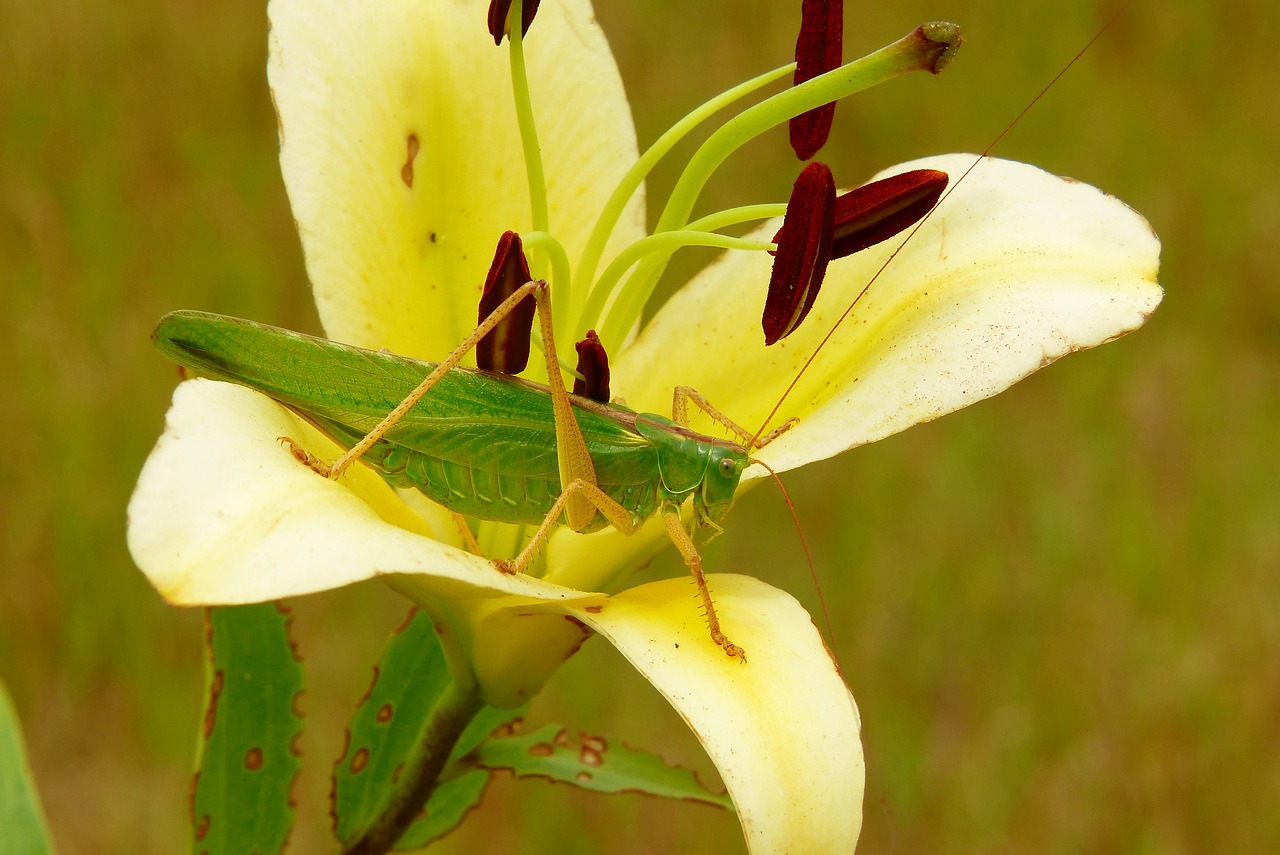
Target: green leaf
{"type": "Point", "coordinates": [446, 809]}
{"type": "Point", "coordinates": [22, 820]}
{"type": "Point", "coordinates": [385, 731]}
{"type": "Point", "coordinates": [248, 755]}
{"type": "Point", "coordinates": [592, 763]}
{"type": "Point", "coordinates": [387, 724]}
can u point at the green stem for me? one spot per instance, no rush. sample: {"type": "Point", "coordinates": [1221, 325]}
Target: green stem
{"type": "Point", "coordinates": [626, 310]}
{"type": "Point", "coordinates": [561, 283]}
{"type": "Point", "coordinates": [628, 306]}
{"type": "Point", "coordinates": [528, 129]}
{"type": "Point", "coordinates": [734, 216]}
{"type": "Point", "coordinates": [635, 176]}
{"type": "Point", "coordinates": [450, 716]}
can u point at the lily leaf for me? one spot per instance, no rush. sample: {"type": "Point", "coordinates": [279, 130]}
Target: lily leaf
{"type": "Point", "coordinates": [592, 763]}
{"type": "Point", "coordinates": [21, 817]}
{"type": "Point", "coordinates": [248, 753]}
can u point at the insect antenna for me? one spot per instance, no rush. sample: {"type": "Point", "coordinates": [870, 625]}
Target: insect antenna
{"type": "Point", "coordinates": [808, 557]}
{"type": "Point", "coordinates": [919, 224]}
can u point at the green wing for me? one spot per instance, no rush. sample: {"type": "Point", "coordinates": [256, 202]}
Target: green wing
{"type": "Point", "coordinates": [471, 419]}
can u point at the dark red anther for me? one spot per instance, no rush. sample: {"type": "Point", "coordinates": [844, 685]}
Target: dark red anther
{"type": "Point", "coordinates": [593, 365]}
{"type": "Point", "coordinates": [500, 15]}
{"type": "Point", "coordinates": [819, 49]}
{"type": "Point", "coordinates": [506, 347]}
{"type": "Point", "coordinates": [804, 248]}
{"type": "Point", "coordinates": [877, 211]}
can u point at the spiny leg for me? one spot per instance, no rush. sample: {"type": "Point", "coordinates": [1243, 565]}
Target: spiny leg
{"type": "Point", "coordinates": [684, 543]}
{"type": "Point", "coordinates": [619, 516]}
{"type": "Point", "coordinates": [680, 414]}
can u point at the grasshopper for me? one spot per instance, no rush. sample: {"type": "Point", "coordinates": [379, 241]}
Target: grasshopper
{"type": "Point", "coordinates": [481, 443]}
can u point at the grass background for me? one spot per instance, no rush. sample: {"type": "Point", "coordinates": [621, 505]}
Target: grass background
{"type": "Point", "coordinates": [1058, 609]}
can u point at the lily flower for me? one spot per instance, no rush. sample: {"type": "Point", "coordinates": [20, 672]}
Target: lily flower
{"type": "Point", "coordinates": [409, 144]}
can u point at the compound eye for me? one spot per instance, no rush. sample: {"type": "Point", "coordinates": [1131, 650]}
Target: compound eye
{"type": "Point", "coordinates": [727, 467]}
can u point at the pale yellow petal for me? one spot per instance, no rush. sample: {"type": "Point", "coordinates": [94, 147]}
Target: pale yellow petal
{"type": "Point", "coordinates": [781, 728]}
{"type": "Point", "coordinates": [398, 263]}
{"type": "Point", "coordinates": [1014, 270]}
{"type": "Point", "coordinates": [603, 560]}
{"type": "Point", "coordinates": [223, 514]}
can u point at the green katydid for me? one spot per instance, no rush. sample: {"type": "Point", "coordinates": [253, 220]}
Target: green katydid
{"type": "Point", "coordinates": [480, 443]}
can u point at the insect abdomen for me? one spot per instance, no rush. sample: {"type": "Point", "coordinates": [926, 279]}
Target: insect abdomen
{"type": "Point", "coordinates": [487, 494]}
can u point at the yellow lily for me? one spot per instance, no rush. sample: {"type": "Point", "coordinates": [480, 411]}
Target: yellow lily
{"type": "Point", "coordinates": [401, 153]}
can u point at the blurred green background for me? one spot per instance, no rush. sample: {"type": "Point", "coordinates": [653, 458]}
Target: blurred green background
{"type": "Point", "coordinates": [1058, 609]}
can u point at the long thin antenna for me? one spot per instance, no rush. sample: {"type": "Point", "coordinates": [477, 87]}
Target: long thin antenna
{"type": "Point", "coordinates": [813, 570]}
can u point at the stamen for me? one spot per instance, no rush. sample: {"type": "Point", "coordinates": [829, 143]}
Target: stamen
{"type": "Point", "coordinates": [929, 47]}
{"type": "Point", "coordinates": [819, 49]}
{"type": "Point", "coordinates": [804, 248]}
{"type": "Point", "coordinates": [877, 211]}
{"type": "Point", "coordinates": [593, 365]}
{"type": "Point", "coordinates": [506, 348]}
{"type": "Point", "coordinates": [500, 18]}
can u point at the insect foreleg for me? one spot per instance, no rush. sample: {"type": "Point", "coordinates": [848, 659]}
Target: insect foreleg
{"type": "Point", "coordinates": [684, 543]}
{"type": "Point", "coordinates": [589, 492]}
{"type": "Point", "coordinates": [680, 415]}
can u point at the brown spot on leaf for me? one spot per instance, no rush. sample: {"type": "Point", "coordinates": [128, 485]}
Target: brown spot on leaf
{"type": "Point", "coordinates": [562, 739]}
{"type": "Point", "coordinates": [408, 619]}
{"type": "Point", "coordinates": [215, 692]}
{"type": "Point", "coordinates": [510, 728]}
{"type": "Point", "coordinates": [288, 629]}
{"type": "Point", "coordinates": [406, 171]}
{"type": "Point", "coordinates": [191, 798]}
{"type": "Point", "coordinates": [385, 712]}
{"type": "Point", "coordinates": [541, 749]}
{"type": "Point", "coordinates": [253, 759]}
{"type": "Point", "coordinates": [595, 743]}
{"type": "Point", "coordinates": [582, 777]}
{"type": "Point", "coordinates": [359, 761]}
{"type": "Point", "coordinates": [202, 827]}
{"type": "Point", "coordinates": [594, 610]}
{"type": "Point", "coordinates": [590, 757]}
{"type": "Point", "coordinates": [377, 672]}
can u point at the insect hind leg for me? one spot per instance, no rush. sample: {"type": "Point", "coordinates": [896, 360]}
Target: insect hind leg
{"type": "Point", "coordinates": [615, 513]}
